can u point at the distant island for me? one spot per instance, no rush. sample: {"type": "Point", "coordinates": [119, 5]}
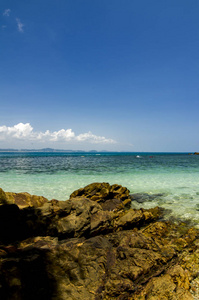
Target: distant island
{"type": "Point", "coordinates": [48, 150]}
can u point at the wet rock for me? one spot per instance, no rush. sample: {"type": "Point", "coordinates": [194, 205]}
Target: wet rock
{"type": "Point", "coordinates": [144, 197]}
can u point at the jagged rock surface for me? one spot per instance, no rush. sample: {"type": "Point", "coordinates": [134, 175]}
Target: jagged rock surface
{"type": "Point", "coordinates": [110, 197]}
{"type": "Point", "coordinates": [25, 199]}
{"type": "Point", "coordinates": [76, 249]}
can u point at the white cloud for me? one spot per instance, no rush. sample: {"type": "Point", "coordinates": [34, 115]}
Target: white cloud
{"type": "Point", "coordinates": [19, 131]}
{"type": "Point", "coordinates": [19, 25]}
{"type": "Point", "coordinates": [61, 135]}
{"type": "Point", "coordinates": [93, 138]}
{"type": "Point", "coordinates": [25, 132]}
{"type": "Point", "coordinates": [6, 12]}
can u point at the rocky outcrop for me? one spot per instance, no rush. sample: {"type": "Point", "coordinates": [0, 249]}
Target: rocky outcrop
{"type": "Point", "coordinates": [77, 249]}
{"type": "Point", "coordinates": [3, 198]}
{"type": "Point", "coordinates": [76, 217]}
{"type": "Point", "coordinates": [22, 200]}
{"type": "Point", "coordinates": [110, 197]}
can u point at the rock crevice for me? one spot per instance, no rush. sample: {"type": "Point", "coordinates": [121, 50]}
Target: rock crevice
{"type": "Point", "coordinates": [93, 246]}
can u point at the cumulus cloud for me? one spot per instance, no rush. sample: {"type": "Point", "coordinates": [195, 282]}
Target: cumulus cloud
{"type": "Point", "coordinates": [6, 12]}
{"type": "Point", "coordinates": [61, 135]}
{"type": "Point", "coordinates": [91, 137]}
{"type": "Point", "coordinates": [25, 132]}
{"type": "Point", "coordinates": [19, 131]}
{"type": "Point", "coordinates": [19, 25]}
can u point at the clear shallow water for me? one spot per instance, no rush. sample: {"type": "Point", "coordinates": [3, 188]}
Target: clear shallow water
{"type": "Point", "coordinates": [57, 175]}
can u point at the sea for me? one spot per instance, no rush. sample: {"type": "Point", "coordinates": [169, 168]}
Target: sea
{"type": "Point", "coordinates": [167, 180]}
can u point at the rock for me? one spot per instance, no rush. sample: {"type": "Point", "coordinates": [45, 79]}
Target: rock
{"type": "Point", "coordinates": [73, 218]}
{"type": "Point", "coordinates": [173, 285]}
{"type": "Point", "coordinates": [9, 222]}
{"type": "Point", "coordinates": [108, 196]}
{"type": "Point", "coordinates": [138, 217]}
{"type": "Point", "coordinates": [83, 217]}
{"type": "Point", "coordinates": [25, 199]}
{"type": "Point", "coordinates": [143, 197]}
{"type": "Point", "coordinates": [76, 217]}
{"type": "Point", "coordinates": [196, 153]}
{"type": "Point", "coordinates": [78, 249]}
{"type": "Point", "coordinates": [3, 198]}
{"type": "Point", "coordinates": [22, 200]}
{"type": "Point", "coordinates": [23, 275]}
{"type": "Point", "coordinates": [129, 264]}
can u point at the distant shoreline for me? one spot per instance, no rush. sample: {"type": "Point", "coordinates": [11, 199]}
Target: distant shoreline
{"type": "Point", "coordinates": [50, 150]}
{"type": "Point", "coordinates": [47, 150]}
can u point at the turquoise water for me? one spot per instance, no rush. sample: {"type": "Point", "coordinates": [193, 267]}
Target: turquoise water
{"type": "Point", "coordinates": [173, 176]}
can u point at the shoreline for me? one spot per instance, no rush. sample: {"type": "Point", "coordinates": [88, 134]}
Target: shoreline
{"type": "Point", "coordinates": [146, 200]}
{"type": "Point", "coordinates": [94, 246]}
{"type": "Point", "coordinates": [94, 152]}
{"type": "Point", "coordinates": [56, 175]}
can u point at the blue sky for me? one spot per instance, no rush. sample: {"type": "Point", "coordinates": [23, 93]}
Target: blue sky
{"type": "Point", "coordinates": [100, 74]}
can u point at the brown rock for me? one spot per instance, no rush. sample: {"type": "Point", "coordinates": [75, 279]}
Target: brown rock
{"type": "Point", "coordinates": [173, 285]}
{"type": "Point", "coordinates": [110, 197]}
{"type": "Point", "coordinates": [3, 198]}
{"type": "Point", "coordinates": [25, 199]}
{"type": "Point", "coordinates": [127, 264]}
{"type": "Point", "coordinates": [77, 249]}
{"type": "Point", "coordinates": [83, 217]}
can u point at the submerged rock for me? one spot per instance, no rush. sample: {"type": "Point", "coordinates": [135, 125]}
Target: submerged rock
{"type": "Point", "coordinates": [143, 197]}
{"type": "Point", "coordinates": [77, 249]}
